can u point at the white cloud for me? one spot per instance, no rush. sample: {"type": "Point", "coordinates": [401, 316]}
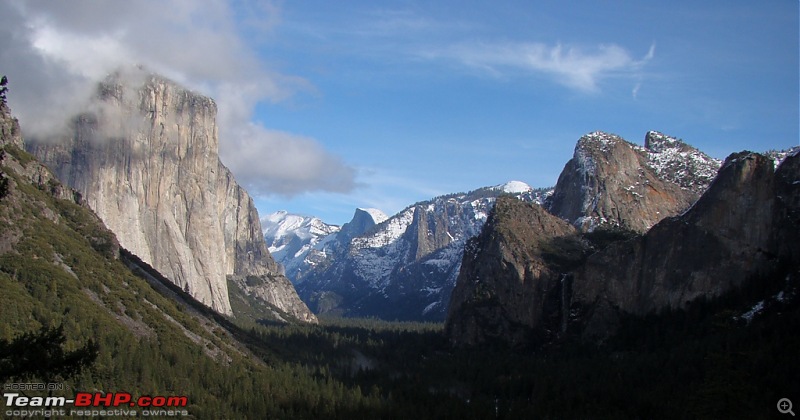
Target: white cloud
{"type": "Point", "coordinates": [635, 91]}
{"type": "Point", "coordinates": [650, 53]}
{"type": "Point", "coordinates": [276, 162]}
{"type": "Point", "coordinates": [649, 56]}
{"type": "Point", "coordinates": [577, 68]}
{"type": "Point", "coordinates": [54, 52]}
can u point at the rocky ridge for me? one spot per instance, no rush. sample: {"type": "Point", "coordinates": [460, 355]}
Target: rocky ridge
{"type": "Point", "coordinates": [405, 266]}
{"type": "Point", "coordinates": [12, 155]}
{"type": "Point", "coordinates": [610, 181]}
{"type": "Point", "coordinates": [738, 231]}
{"type": "Point", "coordinates": [145, 158]}
{"type": "Point", "coordinates": [510, 282]}
{"type": "Point", "coordinates": [290, 237]}
{"type": "Point", "coordinates": [548, 281]}
{"type": "Point", "coordinates": [10, 132]}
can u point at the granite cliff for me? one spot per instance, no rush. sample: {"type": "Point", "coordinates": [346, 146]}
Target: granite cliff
{"type": "Point", "coordinates": [145, 158]}
{"type": "Point", "coordinates": [610, 181]}
{"type": "Point", "coordinates": [531, 276]}
{"type": "Point", "coordinates": [512, 275]}
{"type": "Point", "coordinates": [742, 229]}
{"type": "Point", "coordinates": [10, 132]}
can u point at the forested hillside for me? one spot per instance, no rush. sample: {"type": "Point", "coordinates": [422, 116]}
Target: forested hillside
{"type": "Point", "coordinates": [60, 267]}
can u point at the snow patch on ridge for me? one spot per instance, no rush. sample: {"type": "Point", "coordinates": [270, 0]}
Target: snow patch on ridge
{"type": "Point", "coordinates": [679, 163]}
{"type": "Point", "coordinates": [393, 229]}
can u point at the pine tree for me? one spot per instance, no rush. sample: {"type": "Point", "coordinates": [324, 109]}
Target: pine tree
{"type": "Point", "coordinates": [40, 355]}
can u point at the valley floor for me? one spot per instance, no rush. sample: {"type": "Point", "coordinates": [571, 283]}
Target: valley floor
{"type": "Point", "coordinates": [706, 362]}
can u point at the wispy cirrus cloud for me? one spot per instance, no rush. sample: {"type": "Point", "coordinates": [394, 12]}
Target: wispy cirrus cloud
{"type": "Point", "coordinates": [391, 36]}
{"type": "Point", "coordinates": [577, 68]}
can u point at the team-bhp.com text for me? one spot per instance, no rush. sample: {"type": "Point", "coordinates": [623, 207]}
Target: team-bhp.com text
{"type": "Point", "coordinates": [89, 404]}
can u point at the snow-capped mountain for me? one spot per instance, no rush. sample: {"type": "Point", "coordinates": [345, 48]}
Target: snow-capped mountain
{"type": "Point", "coordinates": [680, 163]}
{"type": "Point", "coordinates": [290, 237]}
{"type": "Point", "coordinates": [401, 267]}
{"type": "Point", "coordinates": [612, 182]}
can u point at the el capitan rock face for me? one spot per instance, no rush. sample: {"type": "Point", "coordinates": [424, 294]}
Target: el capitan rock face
{"type": "Point", "coordinates": [610, 181]}
{"type": "Point", "coordinates": [145, 158]}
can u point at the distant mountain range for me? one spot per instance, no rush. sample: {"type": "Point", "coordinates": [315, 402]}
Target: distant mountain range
{"type": "Point", "coordinates": [401, 267]}
{"type": "Point", "coordinates": [405, 266]}
{"type": "Point", "coordinates": [290, 237]}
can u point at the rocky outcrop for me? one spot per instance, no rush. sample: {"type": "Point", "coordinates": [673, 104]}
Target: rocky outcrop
{"type": "Point", "coordinates": [145, 158]}
{"type": "Point", "coordinates": [518, 287]}
{"type": "Point", "coordinates": [18, 168]}
{"type": "Point", "coordinates": [679, 163]}
{"type": "Point", "coordinates": [13, 155]}
{"type": "Point", "coordinates": [363, 220]}
{"type": "Point", "coordinates": [10, 132]}
{"type": "Point", "coordinates": [511, 279]}
{"type": "Point", "coordinates": [329, 253]}
{"type": "Point", "coordinates": [610, 181]}
{"type": "Point", "coordinates": [739, 230]}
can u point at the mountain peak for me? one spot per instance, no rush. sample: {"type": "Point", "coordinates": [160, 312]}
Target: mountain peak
{"type": "Point", "coordinates": [612, 181]}
{"type": "Point", "coordinates": [605, 141]}
{"type": "Point", "coordinates": [656, 141]}
{"type": "Point", "coordinates": [281, 223]}
{"type": "Point", "coordinates": [363, 219]}
{"type": "Point", "coordinates": [680, 163]}
{"type": "Point", "coordinates": [514, 187]}
{"type": "Point", "coordinates": [290, 237]}
{"type": "Point", "coordinates": [377, 215]}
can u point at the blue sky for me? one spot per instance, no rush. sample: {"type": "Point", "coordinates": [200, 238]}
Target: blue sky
{"type": "Point", "coordinates": [328, 106]}
{"type": "Point", "coordinates": [427, 98]}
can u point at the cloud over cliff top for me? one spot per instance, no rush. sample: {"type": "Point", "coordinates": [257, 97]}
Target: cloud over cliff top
{"type": "Point", "coordinates": [54, 53]}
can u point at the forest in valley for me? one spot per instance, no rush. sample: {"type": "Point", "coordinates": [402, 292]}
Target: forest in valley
{"type": "Point", "coordinates": [704, 362]}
